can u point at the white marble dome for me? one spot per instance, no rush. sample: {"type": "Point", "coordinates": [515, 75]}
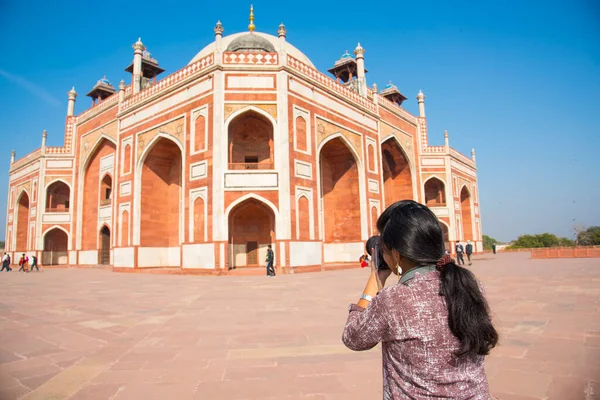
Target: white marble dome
{"type": "Point", "coordinates": [253, 41]}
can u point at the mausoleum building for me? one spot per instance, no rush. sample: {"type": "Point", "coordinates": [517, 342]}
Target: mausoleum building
{"type": "Point", "coordinates": [247, 145]}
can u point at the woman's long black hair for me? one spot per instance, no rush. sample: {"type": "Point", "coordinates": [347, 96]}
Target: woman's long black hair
{"type": "Point", "coordinates": [414, 231]}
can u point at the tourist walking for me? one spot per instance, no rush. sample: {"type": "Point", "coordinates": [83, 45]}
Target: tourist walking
{"type": "Point", "coordinates": [269, 260]}
{"type": "Point", "coordinates": [434, 325]}
{"type": "Point", "coordinates": [494, 248]}
{"type": "Point", "coordinates": [469, 251]}
{"type": "Point", "coordinates": [459, 253]}
{"type": "Point", "coordinates": [23, 263]}
{"type": "Point", "coordinates": [34, 263]}
{"type": "Point", "coordinates": [6, 263]}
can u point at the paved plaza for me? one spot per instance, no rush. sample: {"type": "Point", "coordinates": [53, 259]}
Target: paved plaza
{"type": "Point", "coordinates": [94, 334]}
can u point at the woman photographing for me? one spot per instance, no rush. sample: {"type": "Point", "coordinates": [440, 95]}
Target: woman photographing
{"type": "Point", "coordinates": [434, 325]}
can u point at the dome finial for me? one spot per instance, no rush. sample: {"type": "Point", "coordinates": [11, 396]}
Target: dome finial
{"type": "Point", "coordinates": [251, 26]}
{"type": "Point", "coordinates": [281, 32]}
{"type": "Point", "coordinates": [218, 28]}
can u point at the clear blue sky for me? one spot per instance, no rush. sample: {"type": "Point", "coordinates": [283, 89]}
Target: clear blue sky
{"type": "Point", "coordinates": [518, 80]}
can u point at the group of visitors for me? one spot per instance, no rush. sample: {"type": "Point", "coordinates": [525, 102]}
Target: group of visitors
{"type": "Point", "coordinates": [23, 263]}
{"type": "Point", "coordinates": [434, 325]}
{"type": "Point", "coordinates": [460, 250]}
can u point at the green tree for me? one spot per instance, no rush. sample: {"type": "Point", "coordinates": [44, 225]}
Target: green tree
{"type": "Point", "coordinates": [589, 237]}
{"type": "Point", "coordinates": [566, 242]}
{"type": "Point", "coordinates": [540, 240]}
{"type": "Point", "coordinates": [488, 242]}
{"type": "Point", "coordinates": [527, 241]}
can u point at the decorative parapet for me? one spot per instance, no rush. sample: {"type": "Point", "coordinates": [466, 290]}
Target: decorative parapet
{"type": "Point", "coordinates": [326, 81]}
{"type": "Point", "coordinates": [396, 109]}
{"type": "Point", "coordinates": [452, 153]}
{"type": "Point", "coordinates": [461, 157]}
{"type": "Point", "coordinates": [34, 155]}
{"type": "Point", "coordinates": [435, 149]}
{"type": "Point", "coordinates": [422, 122]}
{"type": "Point", "coordinates": [105, 104]}
{"type": "Point", "coordinates": [66, 149]}
{"type": "Point", "coordinates": [250, 58]}
{"type": "Point", "coordinates": [168, 82]}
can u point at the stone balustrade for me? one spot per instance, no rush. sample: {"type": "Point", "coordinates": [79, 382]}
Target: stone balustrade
{"type": "Point", "coordinates": [251, 58]}
{"type": "Point", "coordinates": [168, 82]}
{"type": "Point", "coordinates": [326, 81]}
{"type": "Point", "coordinates": [462, 157]}
{"type": "Point", "coordinates": [26, 159]}
{"type": "Point", "coordinates": [96, 109]}
{"type": "Point", "coordinates": [396, 109]}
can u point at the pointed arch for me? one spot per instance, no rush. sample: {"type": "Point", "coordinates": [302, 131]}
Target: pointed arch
{"type": "Point", "coordinates": [126, 168]}
{"type": "Point", "coordinates": [434, 189]}
{"type": "Point", "coordinates": [104, 244]}
{"type": "Point", "coordinates": [303, 217]}
{"type": "Point", "coordinates": [124, 225]}
{"type": "Point", "coordinates": [331, 192]}
{"type": "Point", "coordinates": [137, 200]}
{"type": "Point", "coordinates": [58, 180]}
{"type": "Point", "coordinates": [260, 199]}
{"type": "Point", "coordinates": [106, 189]}
{"type": "Point", "coordinates": [97, 143]}
{"type": "Point", "coordinates": [339, 135]}
{"type": "Point", "coordinates": [56, 246]}
{"type": "Point", "coordinates": [466, 211]}
{"type": "Point", "coordinates": [251, 229]}
{"type": "Point", "coordinates": [22, 217]}
{"type": "Point", "coordinates": [257, 110]}
{"type": "Point", "coordinates": [399, 178]}
{"type": "Point", "coordinates": [57, 196]}
{"type": "Point", "coordinates": [87, 192]}
{"type": "Point", "coordinates": [55, 227]}
{"type": "Point", "coordinates": [198, 215]}
{"type": "Point", "coordinates": [250, 140]}
{"type": "Point", "coordinates": [301, 133]}
{"type": "Point", "coordinates": [23, 191]}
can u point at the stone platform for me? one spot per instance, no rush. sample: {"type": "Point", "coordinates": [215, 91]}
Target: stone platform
{"type": "Point", "coordinates": [93, 334]}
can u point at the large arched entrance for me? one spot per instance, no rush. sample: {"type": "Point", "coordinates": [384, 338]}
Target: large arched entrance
{"type": "Point", "coordinates": [55, 247]}
{"type": "Point", "coordinates": [92, 196]}
{"type": "Point", "coordinates": [22, 223]}
{"type": "Point", "coordinates": [465, 210]}
{"type": "Point", "coordinates": [57, 197]}
{"type": "Point", "coordinates": [397, 179]}
{"type": "Point", "coordinates": [161, 195]}
{"type": "Point", "coordinates": [251, 229]}
{"type": "Point", "coordinates": [104, 253]}
{"type": "Point", "coordinates": [250, 142]}
{"type": "Point", "coordinates": [340, 193]}
{"type": "Point", "coordinates": [435, 193]}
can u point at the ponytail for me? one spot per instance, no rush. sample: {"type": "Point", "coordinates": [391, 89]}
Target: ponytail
{"type": "Point", "coordinates": [415, 232]}
{"type": "Point", "coordinates": [468, 311]}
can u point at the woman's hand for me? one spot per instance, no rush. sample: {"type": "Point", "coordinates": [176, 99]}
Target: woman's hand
{"type": "Point", "coordinates": [376, 274]}
{"type": "Point", "coordinates": [383, 274]}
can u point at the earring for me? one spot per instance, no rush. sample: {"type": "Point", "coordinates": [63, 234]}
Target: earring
{"type": "Point", "coordinates": [399, 268]}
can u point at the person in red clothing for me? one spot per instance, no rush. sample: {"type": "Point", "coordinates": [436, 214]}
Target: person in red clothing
{"type": "Point", "coordinates": [364, 261]}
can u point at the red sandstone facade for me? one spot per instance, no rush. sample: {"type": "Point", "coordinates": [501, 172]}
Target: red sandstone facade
{"type": "Point", "coordinates": [247, 145]}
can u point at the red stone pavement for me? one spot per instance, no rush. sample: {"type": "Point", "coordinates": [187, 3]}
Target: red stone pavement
{"type": "Point", "coordinates": [93, 334]}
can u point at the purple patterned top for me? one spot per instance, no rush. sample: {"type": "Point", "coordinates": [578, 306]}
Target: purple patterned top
{"type": "Point", "coordinates": [411, 321]}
